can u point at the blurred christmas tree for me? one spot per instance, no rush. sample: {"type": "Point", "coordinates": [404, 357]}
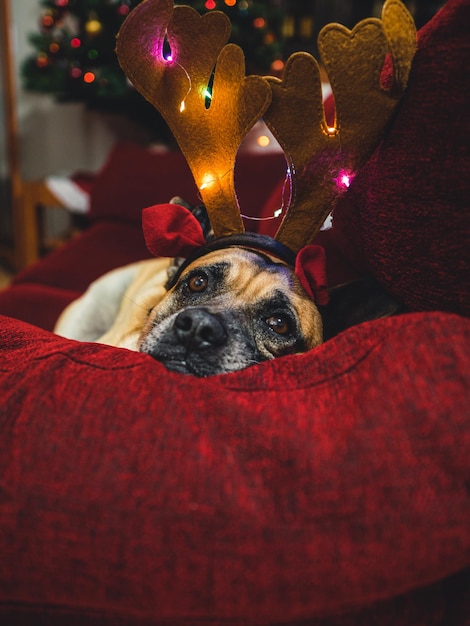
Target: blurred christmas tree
{"type": "Point", "coordinates": [74, 58]}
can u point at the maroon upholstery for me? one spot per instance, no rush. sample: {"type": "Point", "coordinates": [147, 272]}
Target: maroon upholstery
{"type": "Point", "coordinates": [134, 177]}
{"type": "Point", "coordinates": [40, 292]}
{"type": "Point", "coordinates": [255, 177]}
{"type": "Point", "coordinates": [36, 303]}
{"type": "Point", "coordinates": [406, 216]}
{"type": "Point", "coordinates": [328, 489]}
{"type": "Point", "coordinates": [101, 248]}
{"type": "Point", "coordinates": [175, 501]}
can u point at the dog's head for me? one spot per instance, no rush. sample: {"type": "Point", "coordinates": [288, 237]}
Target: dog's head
{"type": "Point", "coordinates": [320, 159]}
{"type": "Point", "coordinates": [228, 309]}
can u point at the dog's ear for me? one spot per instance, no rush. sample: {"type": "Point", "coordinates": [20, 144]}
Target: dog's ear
{"type": "Point", "coordinates": [200, 213]}
{"type": "Point", "coordinates": [355, 302]}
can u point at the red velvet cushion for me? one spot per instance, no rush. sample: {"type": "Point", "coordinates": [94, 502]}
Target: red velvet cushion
{"type": "Point", "coordinates": [133, 178]}
{"type": "Point", "coordinates": [293, 490]}
{"type": "Point", "coordinates": [407, 211]}
{"type": "Point", "coordinates": [94, 252]}
{"type": "Point", "coordinates": [256, 175]}
{"type": "Point", "coordinates": [35, 303]}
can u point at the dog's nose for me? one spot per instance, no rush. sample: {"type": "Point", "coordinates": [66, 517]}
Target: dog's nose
{"type": "Point", "coordinates": [198, 329]}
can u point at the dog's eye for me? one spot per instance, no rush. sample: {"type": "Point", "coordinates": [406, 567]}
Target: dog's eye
{"type": "Point", "coordinates": [279, 324]}
{"type": "Point", "coordinates": [197, 283]}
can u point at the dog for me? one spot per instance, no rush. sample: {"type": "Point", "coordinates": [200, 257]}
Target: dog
{"type": "Point", "coordinates": [229, 308]}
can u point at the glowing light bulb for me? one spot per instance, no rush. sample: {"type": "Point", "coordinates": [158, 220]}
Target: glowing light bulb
{"type": "Point", "coordinates": [166, 50]}
{"type": "Point", "coordinates": [42, 59]}
{"type": "Point", "coordinates": [89, 77]}
{"type": "Point", "coordinates": [277, 65]}
{"type": "Point", "coordinates": [93, 27]}
{"type": "Point", "coordinates": [48, 21]}
{"type": "Point", "coordinates": [331, 130]}
{"type": "Point", "coordinates": [207, 181]}
{"type": "Point", "coordinates": [263, 141]}
{"type": "Point", "coordinates": [210, 4]}
{"type": "Point", "coordinates": [344, 179]}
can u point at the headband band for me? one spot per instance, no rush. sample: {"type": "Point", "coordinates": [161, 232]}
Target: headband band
{"type": "Point", "coordinates": [253, 242]}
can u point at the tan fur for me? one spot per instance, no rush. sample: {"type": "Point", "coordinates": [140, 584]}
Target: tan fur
{"type": "Point", "coordinates": [144, 293]}
{"type": "Point", "coordinates": [114, 308]}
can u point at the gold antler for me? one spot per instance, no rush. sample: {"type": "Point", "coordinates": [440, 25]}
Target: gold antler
{"type": "Point", "coordinates": [209, 137]}
{"type": "Point", "coordinates": [322, 159]}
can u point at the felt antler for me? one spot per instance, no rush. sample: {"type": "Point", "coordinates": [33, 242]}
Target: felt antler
{"type": "Point", "coordinates": [209, 137]}
{"type": "Point", "coordinates": [322, 159]}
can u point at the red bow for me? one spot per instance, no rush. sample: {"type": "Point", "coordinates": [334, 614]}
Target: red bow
{"type": "Point", "coordinates": [170, 230]}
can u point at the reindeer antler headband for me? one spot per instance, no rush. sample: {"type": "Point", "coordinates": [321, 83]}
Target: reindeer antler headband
{"type": "Point", "coordinates": [209, 136]}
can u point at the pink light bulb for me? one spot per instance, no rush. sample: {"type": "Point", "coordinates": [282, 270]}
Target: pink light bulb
{"type": "Point", "coordinates": [344, 179]}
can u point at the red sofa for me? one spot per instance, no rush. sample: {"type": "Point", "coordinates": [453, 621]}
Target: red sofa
{"type": "Point", "coordinates": [328, 489]}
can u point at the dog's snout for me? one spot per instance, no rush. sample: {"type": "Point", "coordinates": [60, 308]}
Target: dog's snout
{"type": "Point", "coordinates": [198, 329]}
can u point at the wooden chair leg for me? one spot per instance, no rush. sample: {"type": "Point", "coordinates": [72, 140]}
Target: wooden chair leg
{"type": "Point", "coordinates": [29, 236]}
{"type": "Point", "coordinates": [26, 226]}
